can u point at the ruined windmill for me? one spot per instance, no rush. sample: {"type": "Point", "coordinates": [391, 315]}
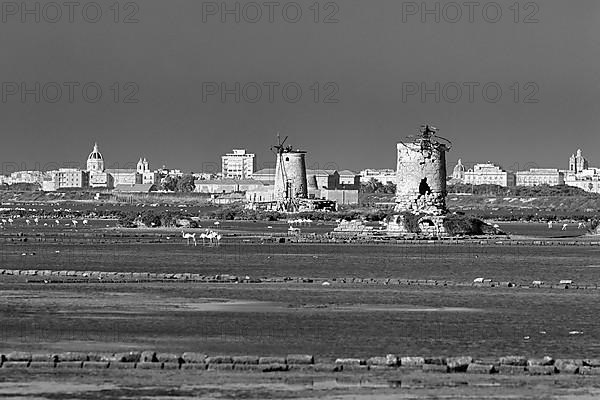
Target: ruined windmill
{"type": "Point", "coordinates": [290, 176]}
{"type": "Point", "coordinates": [421, 172]}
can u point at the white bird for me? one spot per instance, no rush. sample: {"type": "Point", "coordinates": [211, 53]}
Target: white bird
{"type": "Point", "coordinates": [549, 224]}
{"type": "Point", "coordinates": [10, 221]}
{"type": "Point", "coordinates": [326, 284]}
{"type": "Point", "coordinates": [85, 222]}
{"type": "Point", "coordinates": [57, 222]}
{"type": "Point", "coordinates": [189, 236]}
{"type": "Point", "coordinates": [27, 222]}
{"type": "Point", "coordinates": [217, 223]}
{"type": "Point", "coordinates": [581, 225]}
{"type": "Point", "coordinates": [36, 220]}
{"type": "Point", "coordinates": [74, 222]}
{"type": "Point", "coordinates": [564, 227]}
{"type": "Point", "coordinates": [576, 333]}
{"type": "Point", "coordinates": [496, 226]}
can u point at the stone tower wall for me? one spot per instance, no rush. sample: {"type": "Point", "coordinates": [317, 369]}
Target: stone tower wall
{"type": "Point", "coordinates": [414, 164]}
{"type": "Point", "coordinates": [291, 167]}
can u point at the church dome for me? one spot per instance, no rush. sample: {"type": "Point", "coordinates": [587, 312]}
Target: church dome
{"type": "Point", "coordinates": [95, 154]}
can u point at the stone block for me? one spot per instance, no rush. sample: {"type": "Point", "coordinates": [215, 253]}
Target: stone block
{"type": "Point", "coordinates": [389, 361]}
{"type": "Point", "coordinates": [168, 358]}
{"type": "Point", "coordinates": [99, 356]}
{"type": "Point", "coordinates": [585, 370]}
{"type": "Point", "coordinates": [43, 357]}
{"type": "Point", "coordinates": [458, 364]}
{"type": "Point", "coordinates": [96, 364]}
{"type": "Point", "coordinates": [245, 359]}
{"type": "Point", "coordinates": [70, 364]}
{"type": "Point", "coordinates": [15, 364]}
{"type": "Point", "coordinates": [350, 361]}
{"type": "Point", "coordinates": [219, 360]}
{"type": "Point", "coordinates": [511, 369]}
{"type": "Point", "coordinates": [72, 356]}
{"type": "Point", "coordinates": [480, 369]}
{"type": "Point", "coordinates": [513, 360]}
{"type": "Point", "coordinates": [121, 365]}
{"type": "Point", "coordinates": [193, 358]}
{"type": "Point", "coordinates": [271, 360]}
{"type": "Point", "coordinates": [547, 360]}
{"type": "Point", "coordinates": [412, 361]}
{"type": "Point", "coordinates": [541, 370]}
{"type": "Point", "coordinates": [591, 362]}
{"type": "Point", "coordinates": [171, 365]}
{"type": "Point", "coordinates": [300, 359]}
{"type": "Point", "coordinates": [435, 360]}
{"type": "Point", "coordinates": [148, 356]}
{"type": "Point", "coordinates": [149, 365]}
{"type": "Point", "coordinates": [18, 356]}
{"type": "Point", "coordinates": [273, 367]}
{"type": "Point", "coordinates": [568, 366]}
{"type": "Point", "coordinates": [42, 364]}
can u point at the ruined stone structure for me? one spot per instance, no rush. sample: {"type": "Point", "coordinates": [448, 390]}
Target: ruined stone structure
{"type": "Point", "coordinates": [290, 177]}
{"type": "Point", "coordinates": [421, 175]}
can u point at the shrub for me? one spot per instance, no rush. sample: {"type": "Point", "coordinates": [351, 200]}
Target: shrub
{"type": "Point", "coordinates": [463, 225]}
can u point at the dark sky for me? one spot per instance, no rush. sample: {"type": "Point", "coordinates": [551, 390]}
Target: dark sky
{"type": "Point", "coordinates": [176, 49]}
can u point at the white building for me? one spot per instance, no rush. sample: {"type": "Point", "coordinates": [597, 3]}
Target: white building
{"type": "Point", "coordinates": [95, 161]}
{"type": "Point", "coordinates": [72, 178]}
{"type": "Point", "coordinates": [148, 177]}
{"type": "Point", "coordinates": [577, 163]}
{"type": "Point", "coordinates": [458, 175]}
{"type": "Point", "coordinates": [489, 174]}
{"type": "Point", "coordinates": [238, 165]}
{"type": "Point", "coordinates": [32, 177]}
{"type": "Point", "coordinates": [540, 176]}
{"type": "Point", "coordinates": [382, 175]}
{"type": "Point", "coordinates": [581, 175]}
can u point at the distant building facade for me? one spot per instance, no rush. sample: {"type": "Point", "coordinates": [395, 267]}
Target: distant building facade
{"type": "Point", "coordinates": [458, 175]}
{"type": "Point", "coordinates": [540, 176]}
{"type": "Point", "coordinates": [71, 178]}
{"type": "Point", "coordinates": [238, 165]}
{"type": "Point", "coordinates": [148, 177]}
{"type": "Point", "coordinates": [223, 186]}
{"type": "Point", "coordinates": [577, 163]}
{"type": "Point", "coordinates": [489, 174]}
{"type": "Point", "coordinates": [381, 175]}
{"type": "Point", "coordinates": [581, 175]}
{"type": "Point", "coordinates": [31, 177]}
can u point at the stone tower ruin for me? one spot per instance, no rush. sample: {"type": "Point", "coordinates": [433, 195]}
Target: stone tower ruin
{"type": "Point", "coordinates": [290, 177]}
{"type": "Point", "coordinates": [421, 174]}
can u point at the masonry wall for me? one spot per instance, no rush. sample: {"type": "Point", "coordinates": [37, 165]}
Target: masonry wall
{"type": "Point", "coordinates": [291, 167]}
{"type": "Point", "coordinates": [414, 164]}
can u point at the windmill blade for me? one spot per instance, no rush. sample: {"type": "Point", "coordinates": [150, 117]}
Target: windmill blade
{"type": "Point", "coordinates": [282, 143]}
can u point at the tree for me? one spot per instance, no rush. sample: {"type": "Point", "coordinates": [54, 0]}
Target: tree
{"type": "Point", "coordinates": [170, 183]}
{"type": "Point", "coordinates": [150, 219]}
{"type": "Point", "coordinates": [186, 184]}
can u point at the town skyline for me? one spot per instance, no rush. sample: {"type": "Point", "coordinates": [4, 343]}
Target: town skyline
{"type": "Point", "coordinates": [214, 165]}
